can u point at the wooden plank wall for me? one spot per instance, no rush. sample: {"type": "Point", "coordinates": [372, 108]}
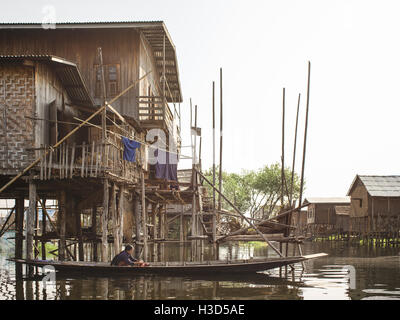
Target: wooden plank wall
{"type": "Point", "coordinates": [119, 46]}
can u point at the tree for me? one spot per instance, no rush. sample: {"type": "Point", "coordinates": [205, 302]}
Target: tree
{"type": "Point", "coordinates": [256, 193]}
{"type": "Point", "coordinates": [268, 184]}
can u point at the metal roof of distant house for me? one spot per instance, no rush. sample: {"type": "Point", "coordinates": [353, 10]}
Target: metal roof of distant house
{"type": "Point", "coordinates": [334, 200]}
{"type": "Point", "coordinates": [67, 72]}
{"type": "Point", "coordinates": [152, 31]}
{"type": "Point", "coordinates": [379, 186]}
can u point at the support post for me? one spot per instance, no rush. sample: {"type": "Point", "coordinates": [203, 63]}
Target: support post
{"type": "Point", "coordinates": [19, 228]}
{"type": "Point", "coordinates": [104, 223]}
{"type": "Point", "coordinates": [63, 225]}
{"type": "Point", "coordinates": [283, 153]}
{"type": "Point", "coordinates": [44, 227]}
{"type": "Point", "coordinates": [94, 233]}
{"type": "Point", "coordinates": [30, 220]}
{"type": "Point", "coordinates": [79, 233]}
{"type": "Point", "coordinates": [220, 146]}
{"type": "Point", "coordinates": [144, 218]}
{"type": "Point", "coordinates": [181, 238]}
{"type": "Point", "coordinates": [305, 135]}
{"type": "Point", "coordinates": [214, 217]}
{"type": "Point", "coordinates": [243, 216]}
{"type": "Point", "coordinates": [137, 225]}
{"type": "Point", "coordinates": [114, 216]}
{"type": "Point", "coordinates": [121, 208]}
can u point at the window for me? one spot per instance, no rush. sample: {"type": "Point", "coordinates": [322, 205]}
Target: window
{"type": "Point", "coordinates": [112, 80]}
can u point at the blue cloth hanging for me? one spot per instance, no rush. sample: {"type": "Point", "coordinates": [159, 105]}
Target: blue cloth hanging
{"type": "Point", "coordinates": [130, 147]}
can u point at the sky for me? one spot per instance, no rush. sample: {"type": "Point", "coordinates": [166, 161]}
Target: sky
{"type": "Point", "coordinates": [263, 47]}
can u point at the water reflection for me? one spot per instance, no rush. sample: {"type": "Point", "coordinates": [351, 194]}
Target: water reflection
{"type": "Point", "coordinates": [377, 277]}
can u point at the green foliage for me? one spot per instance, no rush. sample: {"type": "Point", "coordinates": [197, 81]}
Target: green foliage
{"type": "Point", "coordinates": [256, 192]}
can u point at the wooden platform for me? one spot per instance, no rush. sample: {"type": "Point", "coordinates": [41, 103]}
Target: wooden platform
{"type": "Point", "coordinates": [171, 268]}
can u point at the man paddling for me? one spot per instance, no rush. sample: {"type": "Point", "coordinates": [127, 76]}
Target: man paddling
{"type": "Point", "coordinates": [125, 259]}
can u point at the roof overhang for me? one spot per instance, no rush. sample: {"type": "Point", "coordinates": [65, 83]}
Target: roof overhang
{"type": "Point", "coordinates": [67, 72]}
{"type": "Point", "coordinates": [153, 31]}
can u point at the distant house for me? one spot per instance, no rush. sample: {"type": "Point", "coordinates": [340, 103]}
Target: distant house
{"type": "Point", "coordinates": [375, 204]}
{"type": "Point", "coordinates": [321, 213]}
{"type": "Point", "coordinates": [299, 220]}
{"type": "Point", "coordinates": [342, 216]}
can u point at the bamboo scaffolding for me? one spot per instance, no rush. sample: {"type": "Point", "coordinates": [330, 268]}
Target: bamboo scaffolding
{"type": "Point", "coordinates": [242, 215]}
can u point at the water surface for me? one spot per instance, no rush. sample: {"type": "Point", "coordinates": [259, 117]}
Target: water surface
{"type": "Point", "coordinates": [376, 269]}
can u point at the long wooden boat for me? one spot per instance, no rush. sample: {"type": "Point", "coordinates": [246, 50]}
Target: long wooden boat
{"type": "Point", "coordinates": [171, 268]}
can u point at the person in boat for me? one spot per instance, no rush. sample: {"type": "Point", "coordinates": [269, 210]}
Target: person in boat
{"type": "Point", "coordinates": [125, 258]}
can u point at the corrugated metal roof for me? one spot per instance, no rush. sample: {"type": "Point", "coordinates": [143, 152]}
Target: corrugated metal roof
{"type": "Point", "coordinates": [380, 186]}
{"type": "Point", "coordinates": [338, 200]}
{"type": "Point", "coordinates": [152, 31]}
{"type": "Point", "coordinates": [67, 72]}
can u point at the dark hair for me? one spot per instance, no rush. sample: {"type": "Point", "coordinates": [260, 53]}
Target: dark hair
{"type": "Point", "coordinates": [128, 247]}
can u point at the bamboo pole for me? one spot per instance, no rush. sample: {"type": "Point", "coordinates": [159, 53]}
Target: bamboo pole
{"type": "Point", "coordinates": [19, 225]}
{"type": "Point", "coordinates": [104, 223]}
{"type": "Point", "coordinates": [3, 228]}
{"type": "Point", "coordinates": [214, 218]}
{"type": "Point", "coordinates": [79, 233]}
{"type": "Point", "coordinates": [44, 210]}
{"type": "Point", "coordinates": [305, 135]}
{"type": "Point", "coordinates": [294, 151]}
{"type": "Point", "coordinates": [120, 217]}
{"type": "Point", "coordinates": [94, 232]}
{"type": "Point", "coordinates": [264, 221]}
{"type": "Point", "coordinates": [243, 216]}
{"type": "Point", "coordinates": [283, 152]}
{"type": "Point", "coordinates": [62, 218]}
{"type": "Point", "coordinates": [220, 145]}
{"type": "Point", "coordinates": [144, 218]}
{"type": "Point", "coordinates": [114, 216]}
{"type": "Point", "coordinates": [30, 223]}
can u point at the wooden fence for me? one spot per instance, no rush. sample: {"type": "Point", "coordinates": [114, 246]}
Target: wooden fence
{"type": "Point", "coordinates": [93, 159]}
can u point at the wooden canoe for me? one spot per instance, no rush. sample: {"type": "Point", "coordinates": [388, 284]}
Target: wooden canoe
{"type": "Point", "coordinates": [171, 268]}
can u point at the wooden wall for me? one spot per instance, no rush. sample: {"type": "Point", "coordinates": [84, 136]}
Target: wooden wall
{"type": "Point", "coordinates": [359, 208]}
{"type": "Point", "coordinates": [119, 46]}
{"type": "Point", "coordinates": [324, 213]}
{"type": "Point", "coordinates": [51, 94]}
{"type": "Point", "coordinates": [17, 100]}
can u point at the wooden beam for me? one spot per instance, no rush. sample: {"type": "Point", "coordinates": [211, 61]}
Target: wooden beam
{"type": "Point", "coordinates": [104, 223]}
{"type": "Point", "coordinates": [144, 218]}
{"type": "Point", "coordinates": [63, 224]}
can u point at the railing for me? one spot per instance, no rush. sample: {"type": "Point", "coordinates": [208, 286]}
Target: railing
{"type": "Point", "coordinates": [95, 159]}
{"type": "Point", "coordinates": [156, 113]}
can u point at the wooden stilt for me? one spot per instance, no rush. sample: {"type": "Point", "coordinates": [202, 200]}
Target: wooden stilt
{"type": "Point", "coordinates": [181, 236]}
{"type": "Point", "coordinates": [19, 229]}
{"type": "Point", "coordinates": [104, 223]}
{"type": "Point", "coordinates": [154, 229]}
{"type": "Point", "coordinates": [63, 224]}
{"type": "Point", "coordinates": [30, 220]}
{"type": "Point", "coordinates": [79, 233]}
{"type": "Point", "coordinates": [120, 217]}
{"type": "Point", "coordinates": [44, 227]}
{"type": "Point", "coordinates": [220, 146]}
{"type": "Point", "coordinates": [94, 233]}
{"type": "Point", "coordinates": [144, 218]}
{"type": "Point", "coordinates": [137, 225]}
{"type": "Point", "coordinates": [214, 218]}
{"type": "Point", "coordinates": [113, 207]}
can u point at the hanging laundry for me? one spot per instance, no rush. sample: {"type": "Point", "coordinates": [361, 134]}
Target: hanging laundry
{"type": "Point", "coordinates": [166, 166]}
{"type": "Point", "coordinates": [130, 147]}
